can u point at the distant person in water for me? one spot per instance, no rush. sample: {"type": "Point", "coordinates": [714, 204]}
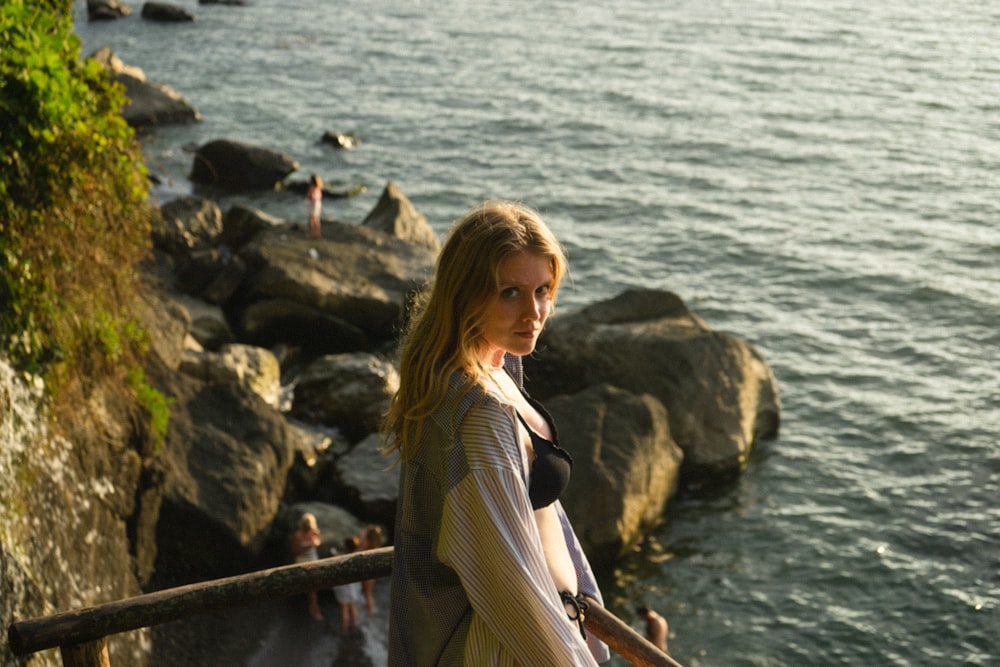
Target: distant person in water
{"type": "Point", "coordinates": [314, 200]}
{"type": "Point", "coordinates": [371, 538]}
{"type": "Point", "coordinates": [656, 627]}
{"type": "Point", "coordinates": [305, 540]}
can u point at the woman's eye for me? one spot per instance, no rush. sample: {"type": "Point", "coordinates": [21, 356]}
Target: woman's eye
{"type": "Point", "coordinates": [509, 293]}
{"type": "Point", "coordinates": [543, 290]}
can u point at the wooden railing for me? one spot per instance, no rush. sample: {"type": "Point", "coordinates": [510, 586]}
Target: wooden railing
{"type": "Point", "coordinates": [81, 635]}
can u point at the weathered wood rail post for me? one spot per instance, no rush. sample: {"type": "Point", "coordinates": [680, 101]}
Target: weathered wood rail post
{"type": "Point", "coordinates": [81, 635]}
{"type": "Point", "coordinates": [77, 630]}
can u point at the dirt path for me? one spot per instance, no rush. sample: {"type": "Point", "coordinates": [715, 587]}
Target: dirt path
{"type": "Point", "coordinates": [276, 634]}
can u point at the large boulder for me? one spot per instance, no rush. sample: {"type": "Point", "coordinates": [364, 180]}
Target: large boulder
{"type": "Point", "coordinates": [186, 223]}
{"type": "Point", "coordinates": [343, 292]}
{"type": "Point", "coordinates": [228, 454]}
{"type": "Point", "coordinates": [626, 466]}
{"type": "Point", "coordinates": [348, 391]}
{"type": "Point", "coordinates": [394, 214]}
{"type": "Point", "coordinates": [241, 223]}
{"type": "Point", "coordinates": [149, 103]}
{"type": "Point", "coordinates": [166, 13]}
{"type": "Point", "coordinates": [239, 166]}
{"type": "Point", "coordinates": [719, 392]}
{"type": "Point", "coordinates": [367, 483]}
{"type": "Point", "coordinates": [252, 367]}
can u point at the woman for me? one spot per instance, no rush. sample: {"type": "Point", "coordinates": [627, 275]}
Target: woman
{"type": "Point", "coordinates": [486, 569]}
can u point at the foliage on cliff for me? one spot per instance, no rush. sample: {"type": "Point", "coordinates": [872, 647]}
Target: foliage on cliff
{"type": "Point", "coordinates": [74, 222]}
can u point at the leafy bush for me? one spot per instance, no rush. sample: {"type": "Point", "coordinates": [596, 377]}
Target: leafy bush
{"type": "Point", "coordinates": [74, 222]}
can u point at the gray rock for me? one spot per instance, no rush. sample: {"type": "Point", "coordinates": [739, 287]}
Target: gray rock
{"type": "Point", "coordinates": [316, 451]}
{"type": "Point", "coordinates": [166, 13]}
{"type": "Point", "coordinates": [105, 10]}
{"type": "Point", "coordinates": [186, 223]}
{"type": "Point", "coordinates": [239, 166]}
{"type": "Point", "coordinates": [111, 62]}
{"type": "Point", "coordinates": [208, 323]}
{"type": "Point", "coordinates": [304, 291]}
{"type": "Point", "coordinates": [252, 367]}
{"type": "Point", "coordinates": [168, 324]}
{"type": "Point", "coordinates": [719, 392]}
{"type": "Point", "coordinates": [343, 140]}
{"type": "Point", "coordinates": [349, 391]}
{"type": "Point", "coordinates": [272, 321]}
{"type": "Point", "coordinates": [626, 466]}
{"type": "Point", "coordinates": [149, 104]}
{"type": "Point", "coordinates": [395, 215]}
{"type": "Point", "coordinates": [241, 223]}
{"type": "Point", "coordinates": [368, 482]}
{"type": "Point", "coordinates": [228, 454]}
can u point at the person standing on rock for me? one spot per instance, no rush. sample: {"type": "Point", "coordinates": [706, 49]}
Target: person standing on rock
{"type": "Point", "coordinates": [305, 541]}
{"type": "Point", "coordinates": [314, 201]}
{"type": "Point", "coordinates": [486, 569]}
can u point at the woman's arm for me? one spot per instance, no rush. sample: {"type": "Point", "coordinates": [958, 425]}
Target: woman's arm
{"type": "Point", "coordinates": [488, 536]}
{"type": "Point", "coordinates": [585, 579]}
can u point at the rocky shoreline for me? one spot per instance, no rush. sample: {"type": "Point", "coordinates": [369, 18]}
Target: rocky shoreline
{"type": "Point", "coordinates": [276, 354]}
{"type": "Point", "coordinates": [643, 389]}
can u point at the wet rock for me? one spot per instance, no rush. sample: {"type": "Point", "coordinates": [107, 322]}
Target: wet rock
{"type": "Point", "coordinates": [166, 13]}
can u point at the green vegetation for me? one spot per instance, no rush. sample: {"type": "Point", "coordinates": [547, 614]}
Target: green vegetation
{"type": "Point", "coordinates": [74, 222]}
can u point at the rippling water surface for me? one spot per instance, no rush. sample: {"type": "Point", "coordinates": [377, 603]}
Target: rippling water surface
{"type": "Point", "coordinates": [817, 177]}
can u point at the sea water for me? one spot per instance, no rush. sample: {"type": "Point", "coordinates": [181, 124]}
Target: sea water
{"type": "Point", "coordinates": [817, 177]}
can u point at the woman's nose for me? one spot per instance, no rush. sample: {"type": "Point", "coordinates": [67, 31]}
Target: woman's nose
{"type": "Point", "coordinates": [534, 308]}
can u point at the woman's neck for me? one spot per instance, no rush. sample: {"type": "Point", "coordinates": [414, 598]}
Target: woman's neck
{"type": "Point", "coordinates": [494, 360]}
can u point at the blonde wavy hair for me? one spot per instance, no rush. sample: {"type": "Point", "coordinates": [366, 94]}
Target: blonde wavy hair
{"type": "Point", "coordinates": [444, 334]}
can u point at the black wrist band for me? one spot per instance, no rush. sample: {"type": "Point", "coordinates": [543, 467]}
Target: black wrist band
{"type": "Point", "coordinates": [580, 607]}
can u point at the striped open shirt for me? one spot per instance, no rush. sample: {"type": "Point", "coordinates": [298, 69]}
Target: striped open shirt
{"type": "Point", "coordinates": [470, 583]}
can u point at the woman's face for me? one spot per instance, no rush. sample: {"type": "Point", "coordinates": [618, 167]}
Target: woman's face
{"type": "Point", "coordinates": [515, 316]}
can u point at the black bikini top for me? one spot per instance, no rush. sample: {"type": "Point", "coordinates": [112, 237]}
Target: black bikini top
{"type": "Point", "coordinates": [551, 468]}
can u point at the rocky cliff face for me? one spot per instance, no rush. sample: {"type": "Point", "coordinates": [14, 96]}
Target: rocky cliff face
{"type": "Point", "coordinates": [72, 510]}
